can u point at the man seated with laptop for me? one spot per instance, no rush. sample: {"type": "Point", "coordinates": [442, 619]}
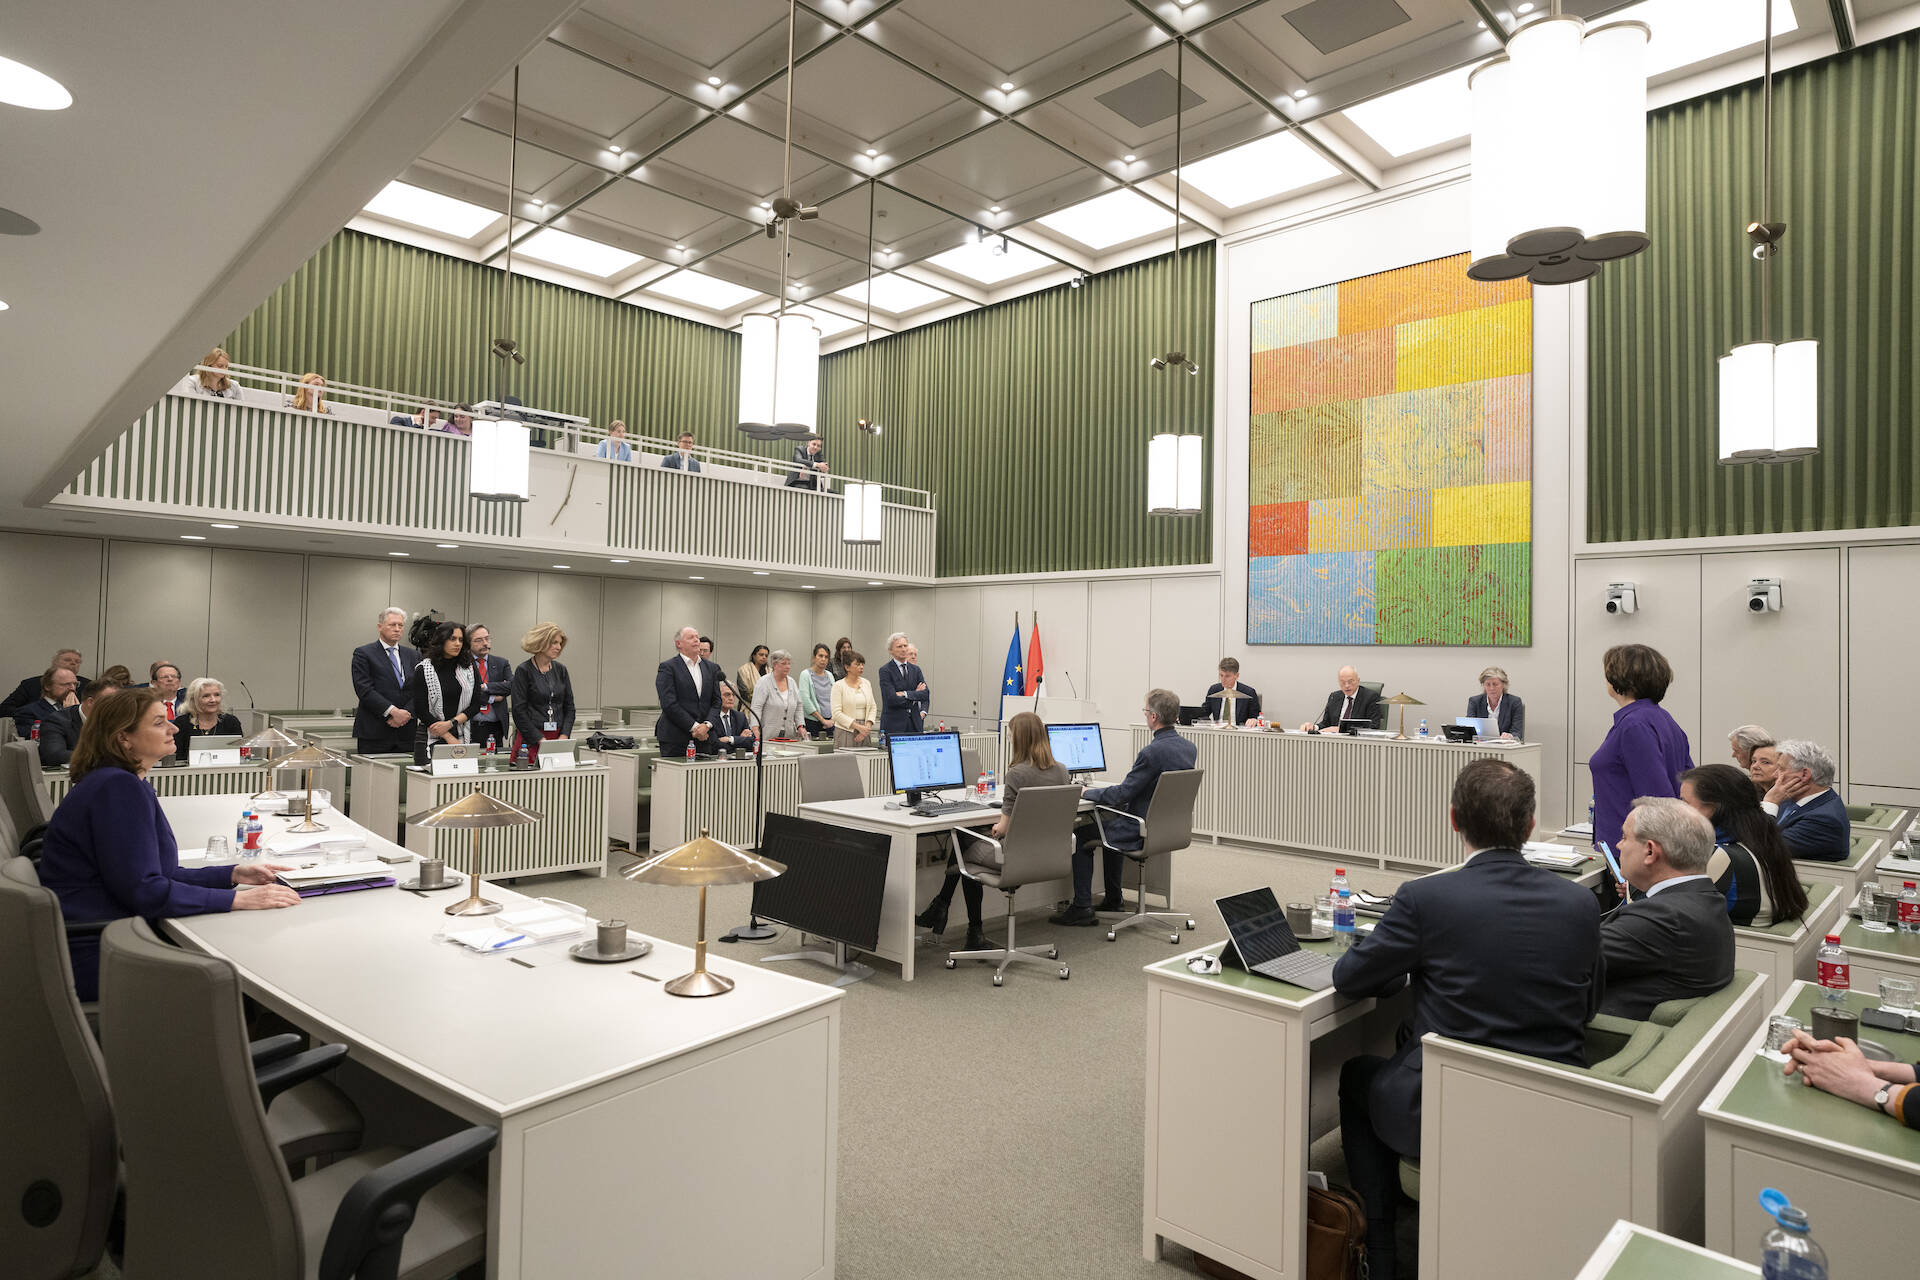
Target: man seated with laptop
{"type": "Point", "coordinates": [1499, 953]}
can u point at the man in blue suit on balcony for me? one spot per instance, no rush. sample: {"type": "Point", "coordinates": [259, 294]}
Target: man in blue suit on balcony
{"type": "Point", "coordinates": [683, 460]}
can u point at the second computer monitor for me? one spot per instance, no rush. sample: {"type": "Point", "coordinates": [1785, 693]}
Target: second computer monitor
{"type": "Point", "coordinates": [925, 761]}
{"type": "Point", "coordinates": [1078, 747]}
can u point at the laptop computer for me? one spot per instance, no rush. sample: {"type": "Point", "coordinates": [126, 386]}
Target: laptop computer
{"type": "Point", "coordinates": [1193, 715]}
{"type": "Point", "coordinates": [1483, 727]}
{"type": "Point", "coordinates": [1259, 941]}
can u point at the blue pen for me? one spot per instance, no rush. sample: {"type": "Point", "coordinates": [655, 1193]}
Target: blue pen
{"type": "Point", "coordinates": [507, 942]}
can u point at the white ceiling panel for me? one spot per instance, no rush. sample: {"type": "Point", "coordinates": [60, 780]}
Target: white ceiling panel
{"type": "Point", "coordinates": [1014, 35]}
{"type": "Point", "coordinates": [705, 33]}
{"type": "Point", "coordinates": [474, 152]}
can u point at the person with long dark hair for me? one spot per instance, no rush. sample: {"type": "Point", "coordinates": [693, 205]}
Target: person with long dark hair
{"type": "Point", "coordinates": [444, 692]}
{"type": "Point", "coordinates": [1750, 863]}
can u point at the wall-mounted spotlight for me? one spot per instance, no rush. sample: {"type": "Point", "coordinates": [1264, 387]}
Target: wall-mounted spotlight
{"type": "Point", "coordinates": [1078, 280]}
{"type": "Point", "coordinates": [1763, 595]}
{"type": "Point", "coordinates": [1766, 237]}
{"type": "Point", "coordinates": [508, 349]}
{"type": "Point", "coordinates": [785, 210]}
{"type": "Point", "coordinates": [871, 428]}
{"type": "Point", "coordinates": [1622, 598]}
{"type": "Point", "coordinates": [1174, 360]}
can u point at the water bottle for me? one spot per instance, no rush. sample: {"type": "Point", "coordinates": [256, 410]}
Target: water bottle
{"type": "Point", "coordinates": [492, 744]}
{"type": "Point", "coordinates": [1333, 890]}
{"type": "Point", "coordinates": [36, 731]}
{"type": "Point", "coordinates": [240, 829]}
{"type": "Point", "coordinates": [993, 787]}
{"type": "Point", "coordinates": [255, 827]}
{"type": "Point", "coordinates": [980, 785]}
{"type": "Point", "coordinates": [1423, 728]}
{"type": "Point", "coordinates": [1909, 908]}
{"type": "Point", "coordinates": [1788, 1250]}
{"type": "Point", "coordinates": [1833, 970]}
{"type": "Point", "coordinates": [1343, 920]}
{"type": "Point", "coordinates": [690, 751]}
{"type": "Point", "coordinates": [943, 727]}
{"type": "Point", "coordinates": [1592, 830]}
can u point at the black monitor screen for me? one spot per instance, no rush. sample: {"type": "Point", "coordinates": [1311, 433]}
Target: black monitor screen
{"type": "Point", "coordinates": [833, 883]}
{"type": "Point", "coordinates": [1257, 926]}
{"type": "Point", "coordinates": [1077, 746]}
{"type": "Point", "coordinates": [925, 761]}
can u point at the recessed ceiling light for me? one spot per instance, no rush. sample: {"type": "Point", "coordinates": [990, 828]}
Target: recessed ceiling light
{"type": "Point", "coordinates": [1111, 219]}
{"type": "Point", "coordinates": [876, 584]}
{"type": "Point", "coordinates": [1258, 170]}
{"type": "Point", "coordinates": [447, 546]}
{"type": "Point", "coordinates": [808, 586]}
{"type": "Point", "coordinates": [1006, 86]}
{"type": "Point", "coordinates": [873, 151]}
{"type": "Point", "coordinates": [702, 290]}
{"type": "Point", "coordinates": [563, 566]}
{"type": "Point", "coordinates": [1523, 8]}
{"type": "Point", "coordinates": [619, 562]}
{"type": "Point", "coordinates": [714, 81]}
{"type": "Point", "coordinates": [1482, 24]}
{"type": "Point", "coordinates": [403, 202]}
{"type": "Point", "coordinates": [766, 204]}
{"type": "Point", "coordinates": [614, 147]}
{"type": "Point", "coordinates": [993, 208]}
{"type": "Point", "coordinates": [1419, 116]}
{"type": "Point", "coordinates": [224, 526]}
{"type": "Point", "coordinates": [402, 554]}
{"type": "Point", "coordinates": [22, 86]}
{"type": "Point", "coordinates": [1129, 157]}
{"type": "Point", "coordinates": [577, 253]}
{"type": "Point", "coordinates": [5, 307]}
{"type": "Point", "coordinates": [193, 537]}
{"type": "Point", "coordinates": [696, 577]}
{"type": "Point", "coordinates": [680, 248]}
{"type": "Point", "coordinates": [762, 573]}
{"type": "Point", "coordinates": [893, 293]}
{"type": "Point", "coordinates": [534, 206]}
{"type": "Point", "coordinates": [1299, 95]}
{"type": "Point", "coordinates": [976, 260]}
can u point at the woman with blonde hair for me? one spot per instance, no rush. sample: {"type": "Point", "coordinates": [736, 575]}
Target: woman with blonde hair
{"type": "Point", "coordinates": [1032, 765]}
{"type": "Point", "coordinates": [542, 693]}
{"type": "Point", "coordinates": [308, 396]}
{"type": "Point", "coordinates": [204, 715]}
{"type": "Point", "coordinates": [217, 384]}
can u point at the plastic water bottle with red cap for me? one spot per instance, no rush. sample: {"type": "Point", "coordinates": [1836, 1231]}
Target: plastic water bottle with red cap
{"type": "Point", "coordinates": [1834, 971]}
{"type": "Point", "coordinates": [36, 731]}
{"type": "Point", "coordinates": [1910, 909]}
{"type": "Point", "coordinates": [1340, 886]}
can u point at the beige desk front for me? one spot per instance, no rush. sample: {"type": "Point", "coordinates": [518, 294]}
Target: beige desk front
{"type": "Point", "coordinates": [622, 1110]}
{"type": "Point", "coordinates": [573, 836]}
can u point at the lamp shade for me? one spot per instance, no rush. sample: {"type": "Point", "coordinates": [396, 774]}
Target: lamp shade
{"type": "Point", "coordinates": [1769, 401]}
{"type": "Point", "coordinates": [779, 376]}
{"type": "Point", "coordinates": [500, 460]}
{"type": "Point", "coordinates": [1175, 482]}
{"type": "Point", "coordinates": [1559, 152]}
{"type": "Point", "coordinates": [704, 861]}
{"type": "Point", "coordinates": [863, 514]}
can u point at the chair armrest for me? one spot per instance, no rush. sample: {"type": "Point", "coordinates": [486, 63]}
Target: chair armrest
{"type": "Point", "coordinates": [373, 1218]}
{"type": "Point", "coordinates": [86, 928]}
{"type": "Point", "coordinates": [274, 1048]}
{"type": "Point", "coordinates": [1101, 827]}
{"type": "Point", "coordinates": [953, 833]}
{"type": "Point", "coordinates": [276, 1079]}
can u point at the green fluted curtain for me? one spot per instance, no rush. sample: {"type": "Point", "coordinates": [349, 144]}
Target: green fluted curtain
{"type": "Point", "coordinates": [388, 315]}
{"type": "Point", "coordinates": [1030, 420]}
{"type": "Point", "coordinates": [1846, 172]}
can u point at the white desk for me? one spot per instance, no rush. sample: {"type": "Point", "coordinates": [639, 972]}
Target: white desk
{"type": "Point", "coordinates": [573, 801]}
{"type": "Point", "coordinates": [622, 1110]}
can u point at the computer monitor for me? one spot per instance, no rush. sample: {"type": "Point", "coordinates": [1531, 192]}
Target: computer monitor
{"type": "Point", "coordinates": [1482, 726]}
{"type": "Point", "coordinates": [1354, 724]}
{"type": "Point", "coordinates": [925, 762]}
{"type": "Point", "coordinates": [1077, 746]}
{"type": "Point", "coordinates": [834, 881]}
{"type": "Point", "coordinates": [1194, 715]}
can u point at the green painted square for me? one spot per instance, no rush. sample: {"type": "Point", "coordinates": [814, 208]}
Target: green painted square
{"type": "Point", "coordinates": [1477, 595]}
{"type": "Point", "coordinates": [1298, 455]}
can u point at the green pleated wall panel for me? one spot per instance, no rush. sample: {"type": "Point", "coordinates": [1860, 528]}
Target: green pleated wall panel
{"type": "Point", "coordinates": [1846, 177]}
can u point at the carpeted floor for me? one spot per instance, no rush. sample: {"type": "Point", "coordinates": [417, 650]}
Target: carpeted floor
{"type": "Point", "coordinates": [995, 1131]}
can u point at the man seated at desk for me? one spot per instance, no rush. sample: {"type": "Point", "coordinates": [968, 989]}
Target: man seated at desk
{"type": "Point", "coordinates": [730, 730]}
{"type": "Point", "coordinates": [1673, 940]}
{"type": "Point", "coordinates": [59, 735]}
{"type": "Point", "coordinates": [1165, 750]}
{"type": "Point", "coordinates": [1243, 706]}
{"type": "Point", "coordinates": [1810, 814]}
{"type": "Point", "coordinates": [57, 701]}
{"type": "Point", "coordinates": [1499, 953]}
{"type": "Point", "coordinates": [1349, 702]}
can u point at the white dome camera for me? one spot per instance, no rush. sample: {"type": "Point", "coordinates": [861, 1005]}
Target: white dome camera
{"type": "Point", "coordinates": [1763, 595]}
{"type": "Point", "coordinates": [1621, 598]}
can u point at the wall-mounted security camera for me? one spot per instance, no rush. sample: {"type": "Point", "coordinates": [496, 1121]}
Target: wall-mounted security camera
{"type": "Point", "coordinates": [1763, 595]}
{"type": "Point", "coordinates": [1621, 598]}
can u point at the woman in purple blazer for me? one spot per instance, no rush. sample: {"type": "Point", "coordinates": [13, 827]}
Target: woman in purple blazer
{"type": "Point", "coordinates": [109, 852]}
{"type": "Point", "coordinates": [1646, 751]}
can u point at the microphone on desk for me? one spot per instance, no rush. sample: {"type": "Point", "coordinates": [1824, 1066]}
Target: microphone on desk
{"type": "Point", "coordinates": [247, 691]}
{"type": "Point", "coordinates": [1070, 689]}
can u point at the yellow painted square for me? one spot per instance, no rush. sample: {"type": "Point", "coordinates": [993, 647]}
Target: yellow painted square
{"type": "Point", "coordinates": [1333, 524]}
{"type": "Point", "coordinates": [1474, 515]}
{"type": "Point", "coordinates": [1468, 346]}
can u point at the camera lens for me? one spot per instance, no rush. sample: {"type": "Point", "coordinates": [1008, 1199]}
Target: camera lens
{"type": "Point", "coordinates": [1613, 606]}
{"type": "Point", "coordinates": [1757, 603]}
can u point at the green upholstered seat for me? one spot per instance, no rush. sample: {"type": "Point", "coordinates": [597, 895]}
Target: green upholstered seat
{"type": "Point", "coordinates": [1644, 1038]}
{"type": "Point", "coordinates": [1817, 895]}
{"type": "Point", "coordinates": [1410, 1178]}
{"type": "Point", "coordinates": [1859, 812]}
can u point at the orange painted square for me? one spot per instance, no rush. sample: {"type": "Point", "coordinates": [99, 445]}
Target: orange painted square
{"type": "Point", "coordinates": [1350, 367]}
{"type": "Point", "coordinates": [1277, 529]}
{"type": "Point", "coordinates": [1420, 292]}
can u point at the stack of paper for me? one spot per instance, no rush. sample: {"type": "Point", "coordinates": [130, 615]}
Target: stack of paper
{"type": "Point", "coordinates": [543, 921]}
{"type": "Point", "coordinates": [315, 872]}
{"type": "Point", "coordinates": [1552, 855]}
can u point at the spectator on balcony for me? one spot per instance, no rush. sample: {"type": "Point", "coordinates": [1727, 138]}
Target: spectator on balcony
{"type": "Point", "coordinates": [308, 397]}
{"type": "Point", "coordinates": [457, 423]}
{"type": "Point", "coordinates": [809, 465]}
{"type": "Point", "coordinates": [216, 384]}
{"type": "Point", "coordinates": [683, 460]}
{"type": "Point", "coordinates": [426, 419]}
{"type": "Point", "coordinates": [615, 447]}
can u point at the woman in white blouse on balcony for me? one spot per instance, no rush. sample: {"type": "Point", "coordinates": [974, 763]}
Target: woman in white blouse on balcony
{"type": "Point", "coordinates": [218, 385]}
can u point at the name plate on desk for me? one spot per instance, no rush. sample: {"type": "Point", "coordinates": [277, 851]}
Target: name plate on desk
{"type": "Point", "coordinates": [557, 760]}
{"type": "Point", "coordinates": [455, 760]}
{"type": "Point", "coordinates": [217, 756]}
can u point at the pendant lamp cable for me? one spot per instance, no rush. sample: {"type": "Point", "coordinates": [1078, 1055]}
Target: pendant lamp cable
{"type": "Point", "coordinates": [504, 347]}
{"type": "Point", "coordinates": [1766, 177]}
{"type": "Point", "coordinates": [786, 180]}
{"type": "Point", "coordinates": [1179, 134]}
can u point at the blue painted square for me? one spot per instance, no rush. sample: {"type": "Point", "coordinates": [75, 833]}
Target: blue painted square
{"type": "Point", "coordinates": [1323, 598]}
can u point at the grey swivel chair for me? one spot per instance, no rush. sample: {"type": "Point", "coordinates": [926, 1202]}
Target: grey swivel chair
{"type": "Point", "coordinates": [969, 766]}
{"type": "Point", "coordinates": [208, 1195]}
{"type": "Point", "coordinates": [833, 776]}
{"type": "Point", "coordinates": [1167, 828]}
{"type": "Point", "coordinates": [1038, 846]}
{"type": "Point", "coordinates": [23, 787]}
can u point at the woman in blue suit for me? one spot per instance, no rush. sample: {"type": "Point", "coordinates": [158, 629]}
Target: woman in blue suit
{"type": "Point", "coordinates": [1494, 703]}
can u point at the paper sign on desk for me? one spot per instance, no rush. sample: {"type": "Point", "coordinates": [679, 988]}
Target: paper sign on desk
{"type": "Point", "coordinates": [557, 760]}
{"type": "Point", "coordinates": [218, 756]}
{"type": "Point", "coordinates": [454, 766]}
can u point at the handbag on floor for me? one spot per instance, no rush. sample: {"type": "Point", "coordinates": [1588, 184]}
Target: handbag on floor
{"type": "Point", "coordinates": [1336, 1239]}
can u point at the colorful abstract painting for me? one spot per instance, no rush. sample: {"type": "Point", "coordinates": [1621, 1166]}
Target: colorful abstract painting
{"type": "Point", "coordinates": [1390, 465]}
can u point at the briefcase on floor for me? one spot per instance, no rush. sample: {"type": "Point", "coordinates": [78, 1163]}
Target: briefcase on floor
{"type": "Point", "coordinates": [1336, 1239]}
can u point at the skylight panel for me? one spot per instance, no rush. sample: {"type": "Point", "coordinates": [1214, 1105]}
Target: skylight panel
{"type": "Point", "coordinates": [416, 206]}
{"type": "Point", "coordinates": [1105, 221]}
{"type": "Point", "coordinates": [1690, 31]}
{"type": "Point", "coordinates": [976, 260]}
{"type": "Point", "coordinates": [703, 291]}
{"type": "Point", "coordinates": [576, 253]}
{"type": "Point", "coordinates": [893, 293]}
{"type": "Point", "coordinates": [1259, 170]}
{"type": "Point", "coordinates": [1419, 116]}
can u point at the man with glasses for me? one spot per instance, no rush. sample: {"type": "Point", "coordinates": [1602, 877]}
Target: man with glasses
{"type": "Point", "coordinates": [1165, 750]}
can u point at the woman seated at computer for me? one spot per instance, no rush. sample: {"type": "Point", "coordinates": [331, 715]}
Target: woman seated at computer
{"type": "Point", "coordinates": [1032, 765]}
{"type": "Point", "coordinates": [205, 716]}
{"type": "Point", "coordinates": [854, 709]}
{"type": "Point", "coordinates": [776, 700]}
{"type": "Point", "coordinates": [1493, 702]}
{"type": "Point", "coordinates": [445, 692]}
{"type": "Point", "coordinates": [1750, 863]}
{"type": "Point", "coordinates": [109, 851]}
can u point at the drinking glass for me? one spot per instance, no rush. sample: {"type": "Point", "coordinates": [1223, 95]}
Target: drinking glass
{"type": "Point", "coordinates": [1896, 995]}
{"type": "Point", "coordinates": [1876, 911]}
{"type": "Point", "coordinates": [219, 851]}
{"type": "Point", "coordinates": [1780, 1029]}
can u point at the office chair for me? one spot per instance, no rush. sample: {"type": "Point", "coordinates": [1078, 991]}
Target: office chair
{"type": "Point", "coordinates": [207, 1193]}
{"type": "Point", "coordinates": [1167, 828]}
{"type": "Point", "coordinates": [833, 776]}
{"type": "Point", "coordinates": [1038, 846]}
{"type": "Point", "coordinates": [23, 787]}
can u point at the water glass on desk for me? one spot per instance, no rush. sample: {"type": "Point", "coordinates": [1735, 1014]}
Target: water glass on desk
{"type": "Point", "coordinates": [1876, 910]}
{"type": "Point", "coordinates": [219, 851]}
{"type": "Point", "coordinates": [1896, 995]}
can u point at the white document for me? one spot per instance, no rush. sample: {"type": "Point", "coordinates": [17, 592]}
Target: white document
{"type": "Point", "coordinates": [322, 873]}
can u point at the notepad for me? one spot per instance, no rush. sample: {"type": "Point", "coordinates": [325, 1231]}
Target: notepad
{"type": "Point", "coordinates": [488, 938]}
{"type": "Point", "coordinates": [543, 921]}
{"type": "Point", "coordinates": [322, 872]}
{"type": "Point", "coordinates": [1556, 856]}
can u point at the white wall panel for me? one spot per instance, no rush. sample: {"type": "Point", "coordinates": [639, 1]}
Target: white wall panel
{"type": "Point", "coordinates": [157, 607]}
{"type": "Point", "coordinates": [418, 587]}
{"type": "Point", "coordinates": [255, 584]}
{"type": "Point", "coordinates": [684, 604]}
{"type": "Point", "coordinates": [52, 587]}
{"type": "Point", "coordinates": [961, 685]}
{"type": "Point", "coordinates": [1781, 670]}
{"type": "Point", "coordinates": [740, 622]}
{"type": "Point", "coordinates": [508, 602]}
{"type": "Point", "coordinates": [1883, 697]}
{"type": "Point", "coordinates": [790, 625]}
{"type": "Point", "coordinates": [630, 632]}
{"type": "Point", "coordinates": [1118, 618]}
{"type": "Point", "coordinates": [344, 599]}
{"type": "Point", "coordinates": [1668, 618]}
{"type": "Point", "coordinates": [833, 617]}
{"type": "Point", "coordinates": [1062, 607]}
{"type": "Point", "coordinates": [915, 613]}
{"type": "Point", "coordinates": [1185, 649]}
{"type": "Point", "coordinates": [573, 601]}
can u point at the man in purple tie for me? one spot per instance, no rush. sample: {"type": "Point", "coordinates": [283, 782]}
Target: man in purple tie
{"type": "Point", "coordinates": [380, 670]}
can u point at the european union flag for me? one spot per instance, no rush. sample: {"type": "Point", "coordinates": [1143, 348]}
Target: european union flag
{"type": "Point", "coordinates": [1014, 679]}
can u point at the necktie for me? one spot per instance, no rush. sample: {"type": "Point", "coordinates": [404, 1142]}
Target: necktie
{"type": "Point", "coordinates": [1346, 712]}
{"type": "Point", "coordinates": [393, 656]}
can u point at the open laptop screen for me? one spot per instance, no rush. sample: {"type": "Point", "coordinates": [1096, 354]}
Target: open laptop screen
{"type": "Point", "coordinates": [1257, 926]}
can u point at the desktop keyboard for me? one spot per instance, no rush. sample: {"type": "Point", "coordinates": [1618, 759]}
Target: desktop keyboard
{"type": "Point", "coordinates": [939, 808]}
{"type": "Point", "coordinates": [1307, 969]}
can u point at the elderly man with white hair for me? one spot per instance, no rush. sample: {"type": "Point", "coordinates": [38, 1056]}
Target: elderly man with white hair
{"type": "Point", "coordinates": [1673, 940]}
{"type": "Point", "coordinates": [1351, 701]}
{"type": "Point", "coordinates": [1810, 814]}
{"type": "Point", "coordinates": [903, 689]}
{"type": "Point", "coordinates": [381, 724]}
{"type": "Point", "coordinates": [1746, 740]}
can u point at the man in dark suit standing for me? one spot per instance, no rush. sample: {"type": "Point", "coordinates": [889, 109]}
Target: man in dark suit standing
{"type": "Point", "coordinates": [688, 687]}
{"type": "Point", "coordinates": [380, 671]}
{"type": "Point", "coordinates": [903, 690]}
{"type": "Point", "coordinates": [29, 689]}
{"type": "Point", "coordinates": [684, 459]}
{"type": "Point", "coordinates": [1242, 707]}
{"type": "Point", "coordinates": [55, 701]}
{"type": "Point", "coordinates": [1499, 953]}
{"type": "Point", "coordinates": [1673, 940]}
{"type": "Point", "coordinates": [59, 734]}
{"type": "Point", "coordinates": [492, 720]}
{"type": "Point", "coordinates": [1165, 750]}
{"type": "Point", "coordinates": [1349, 702]}
{"type": "Point", "coordinates": [1810, 814]}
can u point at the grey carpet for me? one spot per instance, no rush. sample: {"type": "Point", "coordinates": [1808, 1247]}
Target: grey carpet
{"type": "Point", "coordinates": [995, 1131]}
